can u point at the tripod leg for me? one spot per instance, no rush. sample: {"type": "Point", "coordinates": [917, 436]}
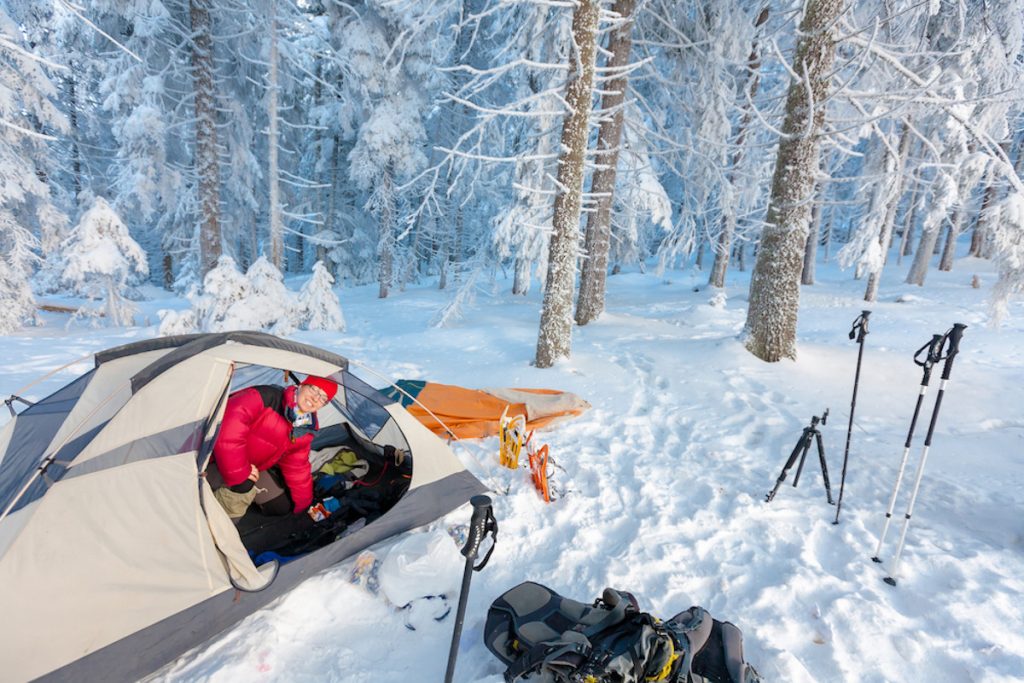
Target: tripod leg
{"type": "Point", "coordinates": [805, 445]}
{"type": "Point", "coordinates": [824, 467]}
{"type": "Point", "coordinates": [785, 469]}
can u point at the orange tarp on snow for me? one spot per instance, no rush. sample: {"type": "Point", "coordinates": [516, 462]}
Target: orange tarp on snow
{"type": "Point", "coordinates": [476, 413]}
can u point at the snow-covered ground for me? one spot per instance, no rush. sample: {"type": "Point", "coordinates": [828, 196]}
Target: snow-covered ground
{"type": "Point", "coordinates": [667, 475]}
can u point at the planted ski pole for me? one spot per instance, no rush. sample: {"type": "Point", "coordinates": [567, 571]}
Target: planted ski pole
{"type": "Point", "coordinates": [858, 331]}
{"type": "Point", "coordinates": [932, 354]}
{"type": "Point", "coordinates": [952, 348]}
{"type": "Point", "coordinates": [481, 524]}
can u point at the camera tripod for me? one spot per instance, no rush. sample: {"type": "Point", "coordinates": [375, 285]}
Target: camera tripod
{"type": "Point", "coordinates": [802, 446]}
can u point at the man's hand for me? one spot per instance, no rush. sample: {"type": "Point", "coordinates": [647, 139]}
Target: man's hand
{"type": "Point", "coordinates": [254, 474]}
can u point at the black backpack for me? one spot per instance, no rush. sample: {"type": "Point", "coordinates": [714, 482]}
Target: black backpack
{"type": "Point", "coordinates": [547, 638]}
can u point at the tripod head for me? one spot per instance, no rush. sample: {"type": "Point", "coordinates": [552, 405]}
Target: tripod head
{"type": "Point", "coordinates": [823, 419]}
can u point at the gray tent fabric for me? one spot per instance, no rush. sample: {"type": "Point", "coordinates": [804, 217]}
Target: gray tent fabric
{"type": "Point", "coordinates": [35, 428]}
{"type": "Point", "coordinates": [105, 509]}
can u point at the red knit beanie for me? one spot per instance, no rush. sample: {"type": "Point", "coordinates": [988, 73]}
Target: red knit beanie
{"type": "Point", "coordinates": [330, 388]}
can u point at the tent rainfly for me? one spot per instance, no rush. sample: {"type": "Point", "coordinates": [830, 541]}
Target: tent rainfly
{"type": "Point", "coordinates": [114, 556]}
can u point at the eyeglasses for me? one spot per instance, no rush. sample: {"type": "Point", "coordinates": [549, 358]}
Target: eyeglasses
{"type": "Point", "coordinates": [318, 394]}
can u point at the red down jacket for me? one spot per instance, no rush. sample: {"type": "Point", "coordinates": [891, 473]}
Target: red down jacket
{"type": "Point", "coordinates": [255, 433]}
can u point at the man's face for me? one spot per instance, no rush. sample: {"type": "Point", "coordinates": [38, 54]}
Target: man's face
{"type": "Point", "coordinates": [309, 398]}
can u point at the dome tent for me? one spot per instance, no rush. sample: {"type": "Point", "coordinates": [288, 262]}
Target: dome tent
{"type": "Point", "coordinates": [114, 555]}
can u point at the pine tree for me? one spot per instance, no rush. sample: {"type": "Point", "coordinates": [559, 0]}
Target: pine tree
{"type": "Point", "coordinates": [17, 304]}
{"type": "Point", "coordinates": [100, 257]}
{"type": "Point", "coordinates": [224, 286]}
{"type": "Point", "coordinates": [268, 304]}
{"type": "Point", "coordinates": [28, 119]}
{"type": "Point", "coordinates": [320, 307]}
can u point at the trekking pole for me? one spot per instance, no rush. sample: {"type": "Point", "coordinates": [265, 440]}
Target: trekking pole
{"type": "Point", "coordinates": [953, 340]}
{"type": "Point", "coordinates": [932, 355]}
{"type": "Point", "coordinates": [859, 330]}
{"type": "Point", "coordinates": [481, 524]}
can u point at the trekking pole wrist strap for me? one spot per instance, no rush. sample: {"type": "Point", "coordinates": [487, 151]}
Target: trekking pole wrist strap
{"type": "Point", "coordinates": [860, 326]}
{"type": "Point", "coordinates": [490, 528]}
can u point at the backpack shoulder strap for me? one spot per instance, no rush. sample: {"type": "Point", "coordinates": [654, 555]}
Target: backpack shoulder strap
{"type": "Point", "coordinates": [567, 653]}
{"type": "Point", "coordinates": [615, 613]}
{"type": "Point", "coordinates": [691, 629]}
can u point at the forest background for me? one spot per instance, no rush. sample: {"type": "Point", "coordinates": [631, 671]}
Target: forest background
{"type": "Point", "coordinates": [185, 142]}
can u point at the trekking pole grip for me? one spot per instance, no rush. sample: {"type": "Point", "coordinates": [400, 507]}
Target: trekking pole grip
{"type": "Point", "coordinates": [953, 339]}
{"type": "Point", "coordinates": [480, 524]}
{"type": "Point", "coordinates": [860, 326]}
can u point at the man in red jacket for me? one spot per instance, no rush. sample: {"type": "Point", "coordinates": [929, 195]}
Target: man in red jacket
{"type": "Point", "coordinates": [265, 426]}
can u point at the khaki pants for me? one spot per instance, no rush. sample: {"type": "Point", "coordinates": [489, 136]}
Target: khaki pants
{"type": "Point", "coordinates": [268, 494]}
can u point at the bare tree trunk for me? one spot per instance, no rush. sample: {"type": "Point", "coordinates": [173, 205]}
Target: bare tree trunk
{"type": "Point", "coordinates": [775, 284]}
{"type": "Point", "coordinates": [521, 280]}
{"type": "Point", "coordinates": [321, 200]}
{"type": "Point", "coordinates": [923, 255]}
{"type": "Point", "coordinates": [206, 154]}
{"type": "Point", "coordinates": [442, 279]}
{"type": "Point", "coordinates": [273, 173]}
{"type": "Point", "coordinates": [979, 235]}
{"type": "Point", "coordinates": [386, 242]}
{"type": "Point", "coordinates": [952, 232]}
{"type": "Point", "coordinates": [728, 228]}
{"type": "Point", "coordinates": [811, 247]}
{"type": "Point", "coordinates": [554, 339]}
{"type": "Point", "coordinates": [168, 263]}
{"type": "Point", "coordinates": [456, 254]}
{"type": "Point", "coordinates": [908, 226]}
{"type": "Point", "coordinates": [332, 193]}
{"type": "Point", "coordinates": [590, 302]}
{"type": "Point", "coordinates": [76, 158]}
{"type": "Point", "coordinates": [885, 234]}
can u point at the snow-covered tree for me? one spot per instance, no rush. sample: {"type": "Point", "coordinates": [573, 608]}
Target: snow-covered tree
{"type": "Point", "coordinates": [17, 304]}
{"type": "Point", "coordinates": [389, 147]}
{"type": "Point", "coordinates": [554, 339]}
{"type": "Point", "coordinates": [775, 284]}
{"type": "Point", "coordinates": [100, 258]}
{"type": "Point", "coordinates": [28, 120]}
{"type": "Point", "coordinates": [320, 308]}
{"type": "Point", "coordinates": [229, 300]}
{"type": "Point", "coordinates": [207, 159]}
{"type": "Point", "coordinates": [268, 305]}
{"type": "Point", "coordinates": [224, 286]}
{"type": "Point", "coordinates": [1008, 236]}
{"type": "Point", "coordinates": [597, 237]}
